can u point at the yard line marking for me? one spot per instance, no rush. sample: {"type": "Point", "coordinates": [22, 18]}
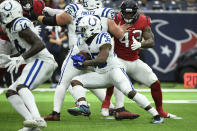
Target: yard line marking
{"type": "Point", "coordinates": [170, 101]}
{"type": "Point", "coordinates": [140, 90]}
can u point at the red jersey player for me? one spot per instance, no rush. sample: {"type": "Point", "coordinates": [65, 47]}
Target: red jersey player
{"type": "Point", "coordinates": [127, 49]}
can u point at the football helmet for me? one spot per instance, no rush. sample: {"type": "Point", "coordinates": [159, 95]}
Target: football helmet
{"type": "Point", "coordinates": [89, 25]}
{"type": "Point", "coordinates": [89, 4]}
{"type": "Point", "coordinates": [10, 10]}
{"type": "Point", "coordinates": [26, 4]}
{"type": "Point", "coordinates": [99, 3]}
{"type": "Point", "coordinates": [129, 7]}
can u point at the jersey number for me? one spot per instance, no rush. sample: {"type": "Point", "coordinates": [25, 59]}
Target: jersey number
{"type": "Point", "coordinates": [18, 47]}
{"type": "Point", "coordinates": [126, 39]}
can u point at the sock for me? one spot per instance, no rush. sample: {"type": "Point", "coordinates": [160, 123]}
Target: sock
{"type": "Point", "coordinates": [59, 96]}
{"type": "Point", "coordinates": [119, 97]}
{"type": "Point", "coordinates": [153, 112]}
{"type": "Point", "coordinates": [106, 102]}
{"type": "Point", "coordinates": [78, 92]}
{"type": "Point", "coordinates": [20, 107]}
{"type": "Point", "coordinates": [157, 97]}
{"type": "Point", "coordinates": [29, 101]}
{"type": "Point", "coordinates": [141, 100]}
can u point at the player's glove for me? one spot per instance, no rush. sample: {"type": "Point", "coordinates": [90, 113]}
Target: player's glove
{"type": "Point", "coordinates": [135, 44]}
{"type": "Point", "coordinates": [14, 64]}
{"type": "Point", "coordinates": [78, 61]}
{"type": "Point", "coordinates": [4, 59]}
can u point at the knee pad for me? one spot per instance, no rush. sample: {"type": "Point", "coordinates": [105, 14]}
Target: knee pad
{"type": "Point", "coordinates": [10, 93]}
{"type": "Point", "coordinates": [20, 87]}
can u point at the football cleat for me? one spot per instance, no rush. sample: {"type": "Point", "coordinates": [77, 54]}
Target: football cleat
{"type": "Point", "coordinates": [125, 115]}
{"type": "Point", "coordinates": [105, 112]}
{"type": "Point", "coordinates": [54, 116]}
{"type": "Point", "coordinates": [158, 119]}
{"type": "Point", "coordinates": [30, 123]}
{"type": "Point", "coordinates": [41, 123]}
{"type": "Point", "coordinates": [173, 116]}
{"type": "Point", "coordinates": [30, 129]}
{"type": "Point", "coordinates": [79, 110]}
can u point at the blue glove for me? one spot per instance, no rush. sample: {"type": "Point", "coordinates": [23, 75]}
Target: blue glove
{"type": "Point", "coordinates": [78, 61]}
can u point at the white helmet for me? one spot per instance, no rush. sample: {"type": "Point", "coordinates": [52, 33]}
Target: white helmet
{"type": "Point", "coordinates": [10, 10]}
{"type": "Point", "coordinates": [99, 3]}
{"type": "Point", "coordinates": [89, 4]}
{"type": "Point", "coordinates": [89, 25]}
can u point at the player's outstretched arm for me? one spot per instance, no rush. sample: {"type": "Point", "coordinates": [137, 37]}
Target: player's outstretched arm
{"type": "Point", "coordinates": [59, 19]}
{"type": "Point", "coordinates": [32, 39]}
{"type": "Point", "coordinates": [115, 30]}
{"type": "Point", "coordinates": [102, 56]}
{"type": "Point", "coordinates": [148, 38]}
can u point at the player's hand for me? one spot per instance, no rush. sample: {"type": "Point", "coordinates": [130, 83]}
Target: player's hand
{"type": "Point", "coordinates": [4, 59]}
{"type": "Point", "coordinates": [124, 27]}
{"type": "Point", "coordinates": [47, 11]}
{"type": "Point", "coordinates": [38, 29]}
{"type": "Point", "coordinates": [14, 64]}
{"type": "Point", "coordinates": [136, 45]}
{"type": "Point", "coordinates": [78, 61]}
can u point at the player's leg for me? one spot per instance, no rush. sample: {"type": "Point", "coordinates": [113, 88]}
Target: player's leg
{"type": "Point", "coordinates": [78, 82]}
{"type": "Point", "coordinates": [123, 83]}
{"type": "Point", "coordinates": [144, 74]}
{"type": "Point", "coordinates": [67, 73]}
{"type": "Point", "coordinates": [18, 104]}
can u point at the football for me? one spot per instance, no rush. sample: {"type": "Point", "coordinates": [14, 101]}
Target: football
{"type": "Point", "coordinates": [86, 55]}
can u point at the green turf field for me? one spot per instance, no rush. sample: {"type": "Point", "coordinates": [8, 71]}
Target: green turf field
{"type": "Point", "coordinates": [11, 121]}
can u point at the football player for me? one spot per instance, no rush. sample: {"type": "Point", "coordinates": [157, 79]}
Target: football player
{"type": "Point", "coordinates": [72, 14]}
{"type": "Point", "coordinates": [108, 70]}
{"type": "Point", "coordinates": [127, 49]}
{"type": "Point", "coordinates": [40, 64]}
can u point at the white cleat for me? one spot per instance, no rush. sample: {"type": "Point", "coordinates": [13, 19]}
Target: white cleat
{"type": "Point", "coordinates": [25, 129]}
{"type": "Point", "coordinates": [158, 119]}
{"type": "Point", "coordinates": [105, 112]}
{"type": "Point", "coordinates": [41, 123]}
{"type": "Point", "coordinates": [30, 123]}
{"type": "Point", "coordinates": [173, 116]}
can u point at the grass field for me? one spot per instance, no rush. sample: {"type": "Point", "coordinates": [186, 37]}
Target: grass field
{"type": "Point", "coordinates": [11, 121]}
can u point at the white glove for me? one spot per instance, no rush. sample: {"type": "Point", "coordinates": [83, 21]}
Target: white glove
{"type": "Point", "coordinates": [47, 11]}
{"type": "Point", "coordinates": [38, 29]}
{"type": "Point", "coordinates": [4, 59]}
{"type": "Point", "coordinates": [135, 44]}
{"type": "Point", "coordinates": [14, 64]}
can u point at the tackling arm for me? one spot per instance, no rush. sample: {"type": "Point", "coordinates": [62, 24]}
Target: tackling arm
{"type": "Point", "coordinates": [34, 40]}
{"type": "Point", "coordinates": [59, 19]}
{"type": "Point", "coordinates": [148, 38]}
{"type": "Point", "coordinates": [102, 57]}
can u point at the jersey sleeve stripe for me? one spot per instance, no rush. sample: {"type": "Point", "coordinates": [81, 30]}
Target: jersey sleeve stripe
{"type": "Point", "coordinates": [76, 6]}
{"type": "Point", "coordinates": [97, 38]}
{"type": "Point", "coordinates": [32, 69]}
{"type": "Point", "coordinates": [107, 12]}
{"type": "Point", "coordinates": [18, 21]}
{"type": "Point", "coordinates": [101, 38]}
{"type": "Point", "coordinates": [102, 15]}
{"type": "Point", "coordinates": [71, 5]}
{"type": "Point", "coordinates": [35, 75]}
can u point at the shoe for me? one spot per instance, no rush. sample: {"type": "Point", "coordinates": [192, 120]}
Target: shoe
{"type": "Point", "coordinates": [54, 116]}
{"type": "Point", "coordinates": [25, 129]}
{"type": "Point", "coordinates": [112, 111]}
{"type": "Point", "coordinates": [172, 116]}
{"type": "Point", "coordinates": [30, 123]}
{"type": "Point", "coordinates": [41, 123]}
{"type": "Point", "coordinates": [158, 119]}
{"type": "Point", "coordinates": [105, 112]}
{"type": "Point", "coordinates": [79, 110]}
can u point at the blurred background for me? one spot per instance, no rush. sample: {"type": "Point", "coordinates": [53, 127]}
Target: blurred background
{"type": "Point", "coordinates": [174, 24]}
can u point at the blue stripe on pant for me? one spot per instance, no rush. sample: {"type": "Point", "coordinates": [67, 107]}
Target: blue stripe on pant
{"type": "Point", "coordinates": [127, 78]}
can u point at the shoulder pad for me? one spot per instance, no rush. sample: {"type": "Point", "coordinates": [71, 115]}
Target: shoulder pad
{"type": "Point", "coordinates": [108, 13]}
{"type": "Point", "coordinates": [72, 9]}
{"type": "Point", "coordinates": [103, 38]}
{"type": "Point", "coordinates": [20, 24]}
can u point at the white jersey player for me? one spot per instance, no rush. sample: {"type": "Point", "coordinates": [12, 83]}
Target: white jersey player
{"type": "Point", "coordinates": [40, 64]}
{"type": "Point", "coordinates": [72, 14]}
{"type": "Point", "coordinates": [108, 70]}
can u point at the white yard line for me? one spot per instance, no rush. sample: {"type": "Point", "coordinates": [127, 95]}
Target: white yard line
{"type": "Point", "coordinates": [170, 101]}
